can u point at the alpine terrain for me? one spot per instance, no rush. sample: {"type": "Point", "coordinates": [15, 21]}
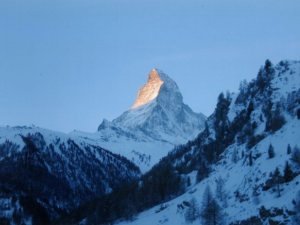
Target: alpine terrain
{"type": "Point", "coordinates": [242, 169]}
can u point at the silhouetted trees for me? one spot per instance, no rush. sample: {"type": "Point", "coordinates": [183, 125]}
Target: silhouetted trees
{"type": "Point", "coordinates": [277, 179]}
{"type": "Point", "coordinates": [271, 152]}
{"type": "Point", "coordinates": [288, 173]}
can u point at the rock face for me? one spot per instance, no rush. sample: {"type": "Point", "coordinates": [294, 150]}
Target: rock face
{"type": "Point", "coordinates": [149, 91]}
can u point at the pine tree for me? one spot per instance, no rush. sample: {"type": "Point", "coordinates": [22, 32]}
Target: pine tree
{"type": "Point", "coordinates": [211, 211]}
{"type": "Point", "coordinates": [235, 156]}
{"type": "Point", "coordinates": [221, 193]}
{"type": "Point", "coordinates": [288, 173]}
{"type": "Point", "coordinates": [193, 212]}
{"type": "Point", "coordinates": [296, 155]}
{"type": "Point", "coordinates": [202, 172]}
{"type": "Point", "coordinates": [221, 119]}
{"type": "Point", "coordinates": [289, 149]}
{"type": "Point", "coordinates": [277, 179]}
{"type": "Point", "coordinates": [268, 67]}
{"type": "Point", "coordinates": [271, 151]}
{"type": "Point", "coordinates": [250, 159]}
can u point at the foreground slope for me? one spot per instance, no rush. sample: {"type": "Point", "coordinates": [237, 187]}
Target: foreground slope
{"type": "Point", "coordinates": [234, 151]}
{"type": "Point", "coordinates": [45, 173]}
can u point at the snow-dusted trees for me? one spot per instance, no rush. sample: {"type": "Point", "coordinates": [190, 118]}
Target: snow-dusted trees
{"type": "Point", "coordinates": [275, 119]}
{"type": "Point", "coordinates": [235, 156]}
{"type": "Point", "coordinates": [211, 213]}
{"type": "Point", "coordinates": [193, 212]}
{"type": "Point", "coordinates": [221, 193]}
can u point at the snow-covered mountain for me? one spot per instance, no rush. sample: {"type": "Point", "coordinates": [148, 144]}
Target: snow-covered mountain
{"type": "Point", "coordinates": [45, 173]}
{"type": "Point", "coordinates": [157, 121]}
{"type": "Point", "coordinates": [248, 156]}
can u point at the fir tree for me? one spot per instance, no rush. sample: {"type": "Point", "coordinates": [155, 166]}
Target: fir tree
{"type": "Point", "coordinates": [277, 179]}
{"type": "Point", "coordinates": [202, 172]}
{"type": "Point", "coordinates": [289, 149]}
{"type": "Point", "coordinates": [271, 152]}
{"type": "Point", "coordinates": [288, 173]}
{"type": "Point", "coordinates": [211, 211]}
{"type": "Point", "coordinates": [296, 155]}
{"type": "Point", "coordinates": [235, 156]}
{"type": "Point", "coordinates": [193, 212]}
{"type": "Point", "coordinates": [221, 193]}
{"type": "Point", "coordinates": [250, 159]}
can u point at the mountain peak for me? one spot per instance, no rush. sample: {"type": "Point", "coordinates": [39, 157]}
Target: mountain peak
{"type": "Point", "coordinates": [159, 86]}
{"type": "Point", "coordinates": [159, 112]}
{"type": "Point", "coordinates": [150, 90]}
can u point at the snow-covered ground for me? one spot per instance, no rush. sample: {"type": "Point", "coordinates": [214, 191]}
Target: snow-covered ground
{"type": "Point", "coordinates": [237, 176]}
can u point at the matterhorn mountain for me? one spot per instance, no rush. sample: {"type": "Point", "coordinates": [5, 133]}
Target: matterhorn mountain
{"type": "Point", "coordinates": [159, 112]}
{"type": "Point", "coordinates": [157, 121]}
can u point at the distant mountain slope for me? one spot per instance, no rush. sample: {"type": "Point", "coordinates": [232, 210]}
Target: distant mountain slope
{"type": "Point", "coordinates": [50, 172]}
{"type": "Point", "coordinates": [157, 122]}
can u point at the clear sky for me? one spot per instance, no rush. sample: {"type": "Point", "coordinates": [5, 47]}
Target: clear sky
{"type": "Point", "coordinates": [67, 64]}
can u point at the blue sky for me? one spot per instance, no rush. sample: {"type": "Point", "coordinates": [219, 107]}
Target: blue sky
{"type": "Point", "coordinates": [67, 64]}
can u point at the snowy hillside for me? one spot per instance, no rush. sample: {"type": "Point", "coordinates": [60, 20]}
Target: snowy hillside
{"type": "Point", "coordinates": [251, 156]}
{"type": "Point", "coordinates": [157, 122]}
{"type": "Point", "coordinates": [238, 177]}
{"type": "Point", "coordinates": [53, 172]}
